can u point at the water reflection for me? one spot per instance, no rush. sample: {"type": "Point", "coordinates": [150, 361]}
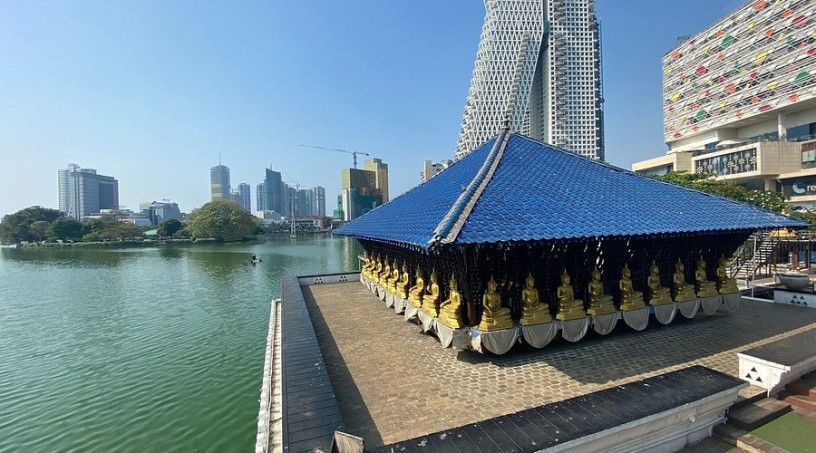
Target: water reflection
{"type": "Point", "coordinates": [68, 256]}
{"type": "Point", "coordinates": [159, 348]}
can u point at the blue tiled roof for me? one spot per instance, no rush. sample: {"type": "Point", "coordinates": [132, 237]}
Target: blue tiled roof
{"type": "Point", "coordinates": [528, 190]}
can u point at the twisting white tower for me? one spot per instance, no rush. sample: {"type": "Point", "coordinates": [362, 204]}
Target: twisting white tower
{"type": "Point", "coordinates": [537, 71]}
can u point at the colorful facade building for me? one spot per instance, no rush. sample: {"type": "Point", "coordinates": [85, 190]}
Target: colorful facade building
{"type": "Point", "coordinates": [739, 98]}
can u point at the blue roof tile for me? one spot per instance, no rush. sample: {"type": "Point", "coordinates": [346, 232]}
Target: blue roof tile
{"type": "Point", "coordinates": [540, 192]}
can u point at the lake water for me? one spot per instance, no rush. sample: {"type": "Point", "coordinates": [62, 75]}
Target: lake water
{"type": "Point", "coordinates": [142, 349]}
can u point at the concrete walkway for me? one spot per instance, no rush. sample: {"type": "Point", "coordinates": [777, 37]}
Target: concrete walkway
{"type": "Point", "coordinates": [394, 383]}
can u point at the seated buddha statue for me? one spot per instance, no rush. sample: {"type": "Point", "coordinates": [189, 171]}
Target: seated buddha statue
{"type": "Point", "coordinates": [371, 264]}
{"type": "Point", "coordinates": [378, 268]}
{"type": "Point", "coordinates": [629, 298]}
{"type": "Point", "coordinates": [533, 311]}
{"type": "Point", "coordinates": [599, 303]}
{"type": "Point", "coordinates": [450, 311]}
{"type": "Point", "coordinates": [568, 306]}
{"type": "Point", "coordinates": [725, 284]}
{"type": "Point", "coordinates": [657, 294]}
{"type": "Point", "coordinates": [404, 283]}
{"type": "Point", "coordinates": [366, 267]}
{"type": "Point", "coordinates": [682, 291]}
{"type": "Point", "coordinates": [494, 316]}
{"type": "Point", "coordinates": [394, 279]}
{"type": "Point", "coordinates": [385, 274]}
{"type": "Point", "coordinates": [417, 291]}
{"type": "Point", "coordinates": [431, 297]}
{"type": "Point", "coordinates": [703, 287]}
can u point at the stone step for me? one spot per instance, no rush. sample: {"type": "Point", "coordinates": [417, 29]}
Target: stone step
{"type": "Point", "coordinates": [805, 402]}
{"type": "Point", "coordinates": [712, 445]}
{"type": "Point", "coordinates": [741, 441]}
{"type": "Point", "coordinates": [805, 386]}
{"type": "Point", "coordinates": [756, 414]}
{"type": "Point", "coordinates": [729, 433]}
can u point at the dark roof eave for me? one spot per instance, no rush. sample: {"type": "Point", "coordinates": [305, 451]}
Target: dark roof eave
{"type": "Point", "coordinates": [666, 234]}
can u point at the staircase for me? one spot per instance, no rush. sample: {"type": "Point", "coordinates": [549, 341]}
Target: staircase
{"type": "Point", "coordinates": [801, 394]}
{"type": "Point", "coordinates": [746, 268]}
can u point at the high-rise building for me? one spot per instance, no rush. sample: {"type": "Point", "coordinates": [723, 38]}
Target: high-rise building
{"type": "Point", "coordinates": [304, 203]}
{"type": "Point", "coordinates": [244, 198]}
{"type": "Point", "coordinates": [364, 189]}
{"type": "Point", "coordinates": [380, 171]}
{"type": "Point", "coordinates": [738, 101]}
{"type": "Point", "coordinates": [432, 169]}
{"type": "Point", "coordinates": [537, 71]}
{"type": "Point", "coordinates": [339, 214]}
{"type": "Point", "coordinates": [220, 183]}
{"type": "Point", "coordinates": [260, 197]}
{"type": "Point", "coordinates": [83, 192]}
{"type": "Point", "coordinates": [319, 201]}
{"type": "Point", "coordinates": [275, 193]}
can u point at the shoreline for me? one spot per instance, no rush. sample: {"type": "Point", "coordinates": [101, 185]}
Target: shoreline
{"type": "Point", "coordinates": [146, 242]}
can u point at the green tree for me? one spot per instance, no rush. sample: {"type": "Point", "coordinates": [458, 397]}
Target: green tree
{"type": "Point", "coordinates": [121, 231]}
{"type": "Point", "coordinates": [14, 228]}
{"type": "Point", "coordinates": [65, 229]}
{"type": "Point", "coordinates": [774, 201]}
{"type": "Point", "coordinates": [39, 230]}
{"type": "Point", "coordinates": [169, 227]}
{"type": "Point", "coordinates": [98, 225]}
{"type": "Point", "coordinates": [222, 220]}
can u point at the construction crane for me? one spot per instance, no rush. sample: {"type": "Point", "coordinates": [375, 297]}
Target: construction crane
{"type": "Point", "coordinates": [354, 153]}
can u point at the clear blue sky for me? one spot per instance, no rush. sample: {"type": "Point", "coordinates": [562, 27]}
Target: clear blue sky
{"type": "Point", "coordinates": [152, 91]}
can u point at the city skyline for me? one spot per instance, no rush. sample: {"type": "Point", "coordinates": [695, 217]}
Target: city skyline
{"type": "Point", "coordinates": [163, 82]}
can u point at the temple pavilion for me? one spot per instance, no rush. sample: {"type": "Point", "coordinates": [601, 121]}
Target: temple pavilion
{"type": "Point", "coordinates": [522, 239]}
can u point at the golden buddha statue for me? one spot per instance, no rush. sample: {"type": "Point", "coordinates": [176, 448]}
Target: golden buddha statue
{"type": "Point", "coordinates": [375, 274]}
{"type": "Point", "coordinates": [417, 291]}
{"type": "Point", "coordinates": [366, 269]}
{"type": "Point", "coordinates": [682, 291]}
{"type": "Point", "coordinates": [431, 298]}
{"type": "Point", "coordinates": [394, 279]}
{"type": "Point", "coordinates": [450, 311]}
{"type": "Point", "coordinates": [534, 311]}
{"type": "Point", "coordinates": [702, 286]}
{"type": "Point", "coordinates": [568, 306]}
{"type": "Point", "coordinates": [404, 283]}
{"type": "Point", "coordinates": [725, 284]}
{"type": "Point", "coordinates": [658, 295]}
{"type": "Point", "coordinates": [494, 316]}
{"type": "Point", "coordinates": [599, 303]}
{"type": "Point", "coordinates": [385, 274]}
{"type": "Point", "coordinates": [629, 298]}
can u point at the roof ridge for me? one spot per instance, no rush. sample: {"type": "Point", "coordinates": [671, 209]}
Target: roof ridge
{"type": "Point", "coordinates": [450, 225]}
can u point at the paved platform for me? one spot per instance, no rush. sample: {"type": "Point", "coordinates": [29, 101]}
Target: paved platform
{"type": "Point", "coordinates": [394, 383]}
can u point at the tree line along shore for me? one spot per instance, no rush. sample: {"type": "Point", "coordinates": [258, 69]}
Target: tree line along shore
{"type": "Point", "coordinates": [215, 222]}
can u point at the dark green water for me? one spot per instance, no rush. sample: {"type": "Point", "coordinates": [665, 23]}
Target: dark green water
{"type": "Point", "coordinates": [156, 349]}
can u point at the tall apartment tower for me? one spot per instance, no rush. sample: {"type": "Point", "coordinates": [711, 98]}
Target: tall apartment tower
{"type": "Point", "coordinates": [363, 189]}
{"type": "Point", "coordinates": [275, 194]}
{"type": "Point", "coordinates": [244, 198]}
{"type": "Point", "coordinates": [537, 71]}
{"type": "Point", "coordinates": [319, 200]}
{"type": "Point", "coordinates": [260, 197]}
{"type": "Point", "coordinates": [220, 183]}
{"type": "Point", "coordinates": [82, 192]}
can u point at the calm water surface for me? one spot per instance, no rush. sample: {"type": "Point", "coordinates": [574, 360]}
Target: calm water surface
{"type": "Point", "coordinates": [157, 349]}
